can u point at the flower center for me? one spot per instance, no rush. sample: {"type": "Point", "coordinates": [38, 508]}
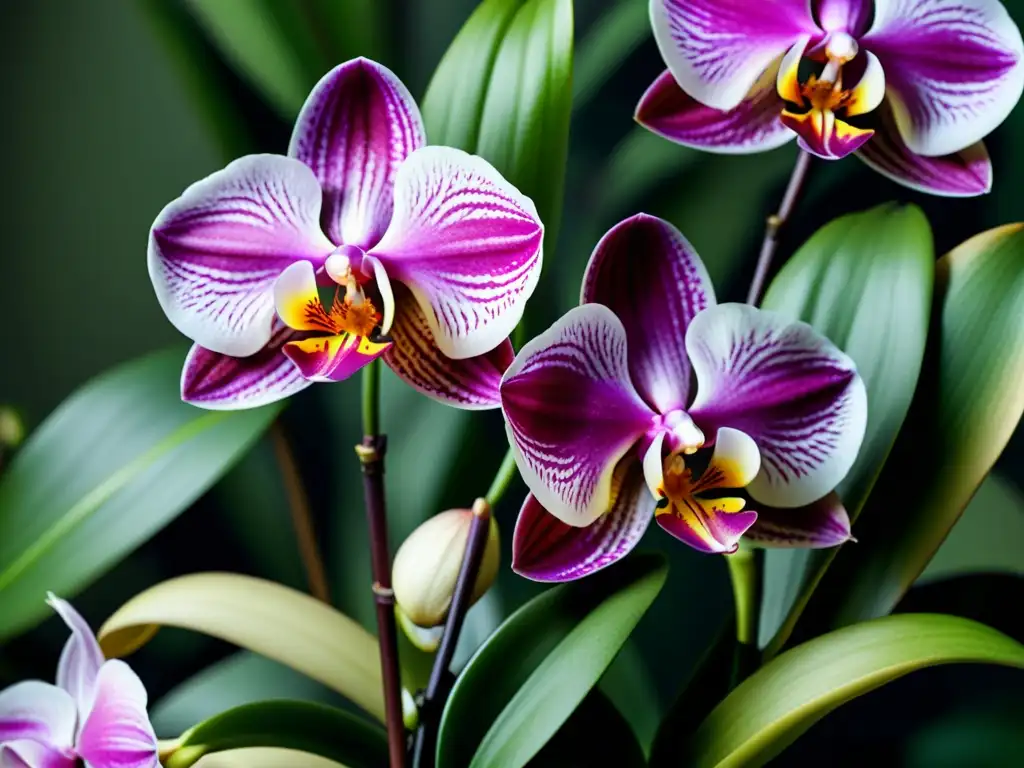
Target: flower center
{"type": "Point", "coordinates": [351, 311]}
{"type": "Point", "coordinates": [339, 268]}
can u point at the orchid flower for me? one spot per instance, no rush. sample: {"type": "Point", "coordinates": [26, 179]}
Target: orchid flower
{"type": "Point", "coordinates": [431, 253]}
{"type": "Point", "coordinates": [909, 86]}
{"type": "Point", "coordinates": [95, 713]}
{"type": "Point", "coordinates": [608, 430]}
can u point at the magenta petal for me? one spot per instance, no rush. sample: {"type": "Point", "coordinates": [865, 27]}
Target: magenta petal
{"type": "Point", "coordinates": [468, 245]}
{"type": "Point", "coordinates": [721, 530]}
{"type": "Point", "coordinates": [786, 386]}
{"type": "Point", "coordinates": [821, 524]}
{"type": "Point", "coordinates": [546, 549]}
{"type": "Point", "coordinates": [966, 173]}
{"type": "Point", "coordinates": [81, 659]}
{"type": "Point", "coordinates": [953, 69]}
{"type": "Point", "coordinates": [752, 126]}
{"type": "Point", "coordinates": [26, 753]}
{"type": "Point", "coordinates": [571, 412]}
{"type": "Point", "coordinates": [471, 384]}
{"type": "Point", "coordinates": [117, 732]}
{"type": "Point", "coordinates": [39, 712]}
{"type": "Point", "coordinates": [356, 128]}
{"type": "Point", "coordinates": [849, 16]}
{"type": "Point", "coordinates": [215, 252]}
{"type": "Point", "coordinates": [646, 272]}
{"type": "Point", "coordinates": [222, 383]}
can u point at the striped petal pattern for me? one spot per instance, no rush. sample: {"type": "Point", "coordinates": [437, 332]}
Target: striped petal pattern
{"type": "Point", "coordinates": [819, 525]}
{"type": "Point", "coordinates": [117, 732]}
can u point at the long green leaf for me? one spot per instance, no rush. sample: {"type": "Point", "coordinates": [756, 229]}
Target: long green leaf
{"type": "Point", "coordinates": [770, 709]}
{"type": "Point", "coordinates": [533, 672]}
{"type": "Point", "coordinates": [865, 282]}
{"type": "Point", "coordinates": [116, 462]}
{"type": "Point", "coordinates": [299, 725]}
{"type": "Point", "coordinates": [968, 403]}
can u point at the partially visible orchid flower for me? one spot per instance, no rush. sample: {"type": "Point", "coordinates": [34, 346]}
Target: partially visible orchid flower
{"type": "Point", "coordinates": [96, 712]}
{"type": "Point", "coordinates": [430, 253]}
{"type": "Point", "coordinates": [651, 401]}
{"type": "Point", "coordinates": [910, 86]}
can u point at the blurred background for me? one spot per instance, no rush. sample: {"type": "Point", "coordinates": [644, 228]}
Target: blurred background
{"type": "Point", "coordinates": [112, 107]}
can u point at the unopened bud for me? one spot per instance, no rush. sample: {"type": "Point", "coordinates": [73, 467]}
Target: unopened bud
{"type": "Point", "coordinates": [428, 562]}
{"type": "Point", "coordinates": [12, 429]}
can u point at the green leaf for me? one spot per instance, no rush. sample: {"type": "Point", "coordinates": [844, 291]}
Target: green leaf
{"type": "Point", "coordinates": [533, 672]}
{"type": "Point", "coordinates": [116, 462]}
{"type": "Point", "coordinates": [770, 709]}
{"type": "Point", "coordinates": [504, 91]}
{"type": "Point", "coordinates": [609, 41]}
{"type": "Point", "coordinates": [574, 746]}
{"type": "Point", "coordinates": [968, 403]}
{"type": "Point", "coordinates": [865, 282]}
{"type": "Point", "coordinates": [299, 725]}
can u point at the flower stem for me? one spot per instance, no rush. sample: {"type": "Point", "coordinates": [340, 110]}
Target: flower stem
{"type": "Point", "coordinates": [371, 457]}
{"type": "Point", "coordinates": [775, 224]}
{"type": "Point", "coordinates": [302, 520]}
{"type": "Point", "coordinates": [437, 687]}
{"type": "Point", "coordinates": [506, 472]}
{"type": "Point", "coordinates": [745, 568]}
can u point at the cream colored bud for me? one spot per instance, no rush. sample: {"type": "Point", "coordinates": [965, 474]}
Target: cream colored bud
{"type": "Point", "coordinates": [12, 429]}
{"type": "Point", "coordinates": [428, 562]}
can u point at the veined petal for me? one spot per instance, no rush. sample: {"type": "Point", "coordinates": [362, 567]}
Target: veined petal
{"type": "Point", "coordinates": [954, 69]}
{"type": "Point", "coordinates": [26, 753]}
{"type": "Point", "coordinates": [822, 134]}
{"type": "Point", "coordinates": [333, 358]}
{"type": "Point", "coordinates": [571, 412]}
{"type": "Point", "coordinates": [966, 173]}
{"type": "Point", "coordinates": [81, 659]}
{"type": "Point", "coordinates": [849, 16]}
{"type": "Point", "coordinates": [819, 525]}
{"type": "Point", "coordinates": [117, 732]}
{"type": "Point", "coordinates": [752, 126]}
{"type": "Point", "coordinates": [357, 127]}
{"type": "Point", "coordinates": [718, 49]}
{"type": "Point", "coordinates": [468, 245]}
{"type": "Point", "coordinates": [546, 549]}
{"type": "Point", "coordinates": [215, 252]}
{"type": "Point", "coordinates": [471, 384]}
{"type": "Point", "coordinates": [646, 272]}
{"type": "Point", "coordinates": [39, 712]}
{"type": "Point", "coordinates": [786, 386]}
{"type": "Point", "coordinates": [297, 300]}
{"type": "Point", "coordinates": [223, 383]}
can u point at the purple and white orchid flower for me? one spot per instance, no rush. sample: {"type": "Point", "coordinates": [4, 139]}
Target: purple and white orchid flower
{"type": "Point", "coordinates": [910, 86]}
{"type": "Point", "coordinates": [96, 713]}
{"type": "Point", "coordinates": [432, 255]}
{"type": "Point", "coordinates": [649, 400]}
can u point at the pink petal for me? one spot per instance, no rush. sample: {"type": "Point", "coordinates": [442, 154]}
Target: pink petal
{"type": "Point", "coordinates": [471, 384]}
{"type": "Point", "coordinates": [718, 49]}
{"type": "Point", "coordinates": [81, 659]}
{"type": "Point", "coordinates": [468, 245]}
{"type": "Point", "coordinates": [215, 252]}
{"type": "Point", "coordinates": [849, 16]}
{"type": "Point", "coordinates": [571, 412]}
{"type": "Point", "coordinates": [821, 524]}
{"type": "Point", "coordinates": [357, 127]}
{"type": "Point", "coordinates": [546, 549]}
{"type": "Point", "coordinates": [25, 753]}
{"type": "Point", "coordinates": [787, 387]}
{"type": "Point", "coordinates": [117, 732]}
{"type": "Point", "coordinates": [38, 712]}
{"type": "Point", "coordinates": [333, 358]}
{"type": "Point", "coordinates": [646, 272]}
{"type": "Point", "coordinates": [953, 69]}
{"type": "Point", "coordinates": [752, 126]}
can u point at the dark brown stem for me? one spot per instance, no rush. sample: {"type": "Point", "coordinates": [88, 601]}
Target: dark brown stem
{"type": "Point", "coordinates": [371, 456]}
{"type": "Point", "coordinates": [775, 224]}
{"type": "Point", "coordinates": [302, 520]}
{"type": "Point", "coordinates": [437, 687]}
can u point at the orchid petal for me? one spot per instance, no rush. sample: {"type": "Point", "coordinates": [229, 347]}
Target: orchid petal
{"type": "Point", "coordinates": [954, 69]}
{"type": "Point", "coordinates": [646, 272]}
{"type": "Point", "coordinates": [81, 658]}
{"type": "Point", "coordinates": [468, 245]}
{"type": "Point", "coordinates": [471, 384]}
{"type": "Point", "coordinates": [384, 288]}
{"type": "Point", "coordinates": [718, 49]}
{"type": "Point", "coordinates": [117, 732]}
{"type": "Point", "coordinates": [39, 712]}
{"type": "Point", "coordinates": [966, 173]}
{"type": "Point", "coordinates": [26, 753]}
{"type": "Point", "coordinates": [819, 525]}
{"type": "Point", "coordinates": [752, 126]}
{"type": "Point", "coordinates": [333, 358]}
{"type": "Point", "coordinates": [357, 127]}
{"type": "Point", "coordinates": [297, 300]}
{"type": "Point", "coordinates": [787, 76]}
{"type": "Point", "coordinates": [215, 252]}
{"type": "Point", "coordinates": [571, 412]}
{"type": "Point", "coordinates": [219, 382]}
{"type": "Point", "coordinates": [824, 135]}
{"type": "Point", "coordinates": [869, 92]}
{"type": "Point", "coordinates": [546, 549]}
{"type": "Point", "coordinates": [849, 16]}
{"type": "Point", "coordinates": [786, 386]}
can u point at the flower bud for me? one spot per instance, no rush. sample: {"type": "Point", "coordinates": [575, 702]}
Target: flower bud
{"type": "Point", "coordinates": [428, 562]}
{"type": "Point", "coordinates": [12, 429]}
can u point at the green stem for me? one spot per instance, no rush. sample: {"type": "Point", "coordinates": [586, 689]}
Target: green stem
{"type": "Point", "coordinates": [506, 472]}
{"type": "Point", "coordinates": [371, 398]}
{"type": "Point", "coordinates": [745, 569]}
